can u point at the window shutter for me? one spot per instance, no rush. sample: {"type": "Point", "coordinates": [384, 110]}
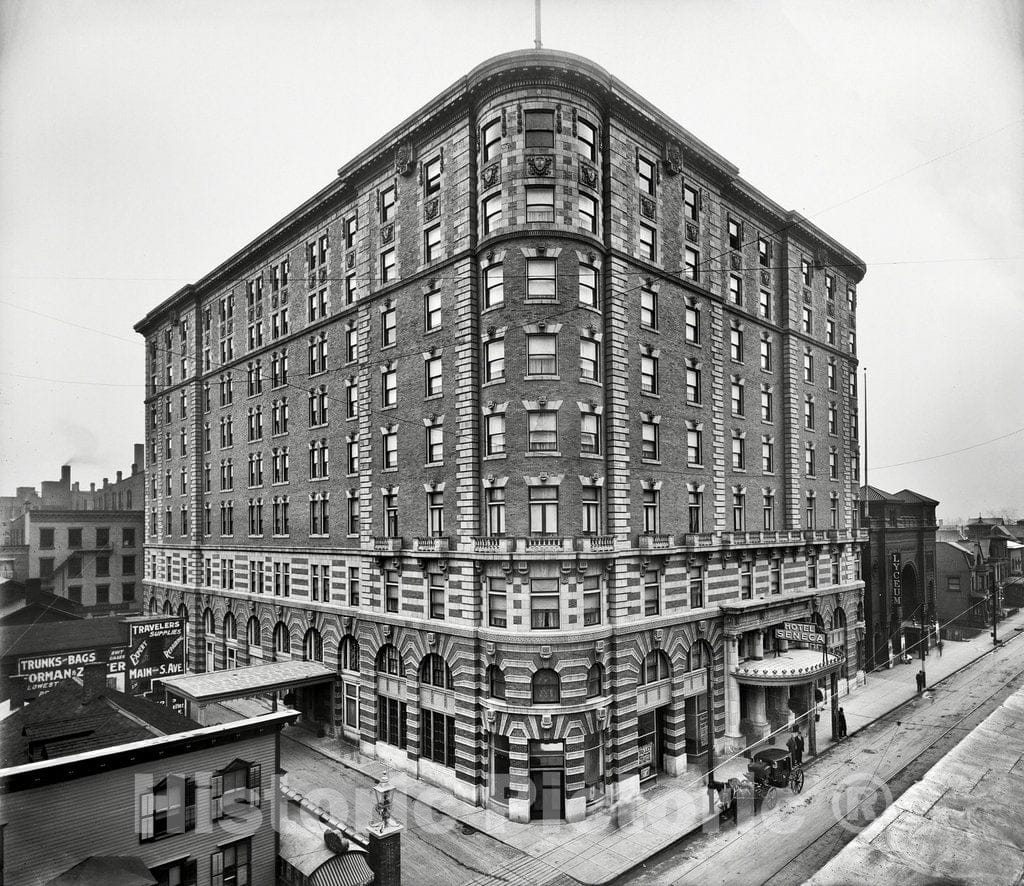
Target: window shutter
{"type": "Point", "coordinates": [146, 816]}
{"type": "Point", "coordinates": [191, 873]}
{"type": "Point", "coordinates": [253, 783]}
{"type": "Point", "coordinates": [217, 797]}
{"type": "Point", "coordinates": [217, 869]}
{"type": "Point", "coordinates": [190, 804]}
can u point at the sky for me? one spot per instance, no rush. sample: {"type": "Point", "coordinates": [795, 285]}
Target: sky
{"type": "Point", "coordinates": [142, 143]}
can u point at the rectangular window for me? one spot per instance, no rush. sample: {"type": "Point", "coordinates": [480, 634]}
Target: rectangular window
{"type": "Point", "coordinates": [588, 286]}
{"type": "Point", "coordinates": [588, 213]}
{"type": "Point", "coordinates": [432, 176]}
{"type": "Point", "coordinates": [808, 321]}
{"type": "Point", "coordinates": [543, 431]}
{"type": "Point", "coordinates": [540, 203]}
{"type": "Point", "coordinates": [766, 355]}
{"type": "Point", "coordinates": [389, 451]}
{"type": "Point", "coordinates": [540, 128]}
{"type": "Point", "coordinates": [768, 511]}
{"type": "Point", "coordinates": [433, 374]}
{"type": "Point", "coordinates": [694, 446]}
{"type": "Point", "coordinates": [435, 444]}
{"type": "Point", "coordinates": [491, 210]}
{"type": "Point", "coordinates": [652, 592]}
{"type": "Point", "coordinates": [736, 398]}
{"type": "Point", "coordinates": [735, 289]}
{"type": "Point", "coordinates": [435, 513]}
{"type": "Point", "coordinates": [589, 365]}
{"type": "Point", "coordinates": [746, 580]}
{"type": "Point", "coordinates": [351, 344]}
{"type": "Point", "coordinates": [764, 252]}
{"type": "Point", "coordinates": [591, 509]}
{"type": "Point", "coordinates": [353, 585]}
{"type": "Point", "coordinates": [432, 244]}
{"type": "Point", "coordinates": [541, 354]}
{"type": "Point", "coordinates": [739, 512]}
{"type": "Point", "coordinates": [540, 278]}
{"type": "Point", "coordinates": [495, 430]}
{"type": "Point", "coordinates": [544, 600]}
{"type": "Point", "coordinates": [736, 344]}
{"type": "Point", "coordinates": [765, 306]}
{"type": "Point", "coordinates": [739, 461]}
{"type": "Point", "coordinates": [735, 234]}
{"type": "Point", "coordinates": [649, 374]}
{"type": "Point", "coordinates": [497, 603]}
{"type": "Point", "coordinates": [696, 582]}
{"type": "Point", "coordinates": [691, 264]}
{"type": "Point", "coordinates": [590, 433]}
{"type": "Point", "coordinates": [391, 722]}
{"type": "Point", "coordinates": [648, 243]}
{"type": "Point", "coordinates": [388, 196]}
{"type": "Point", "coordinates": [805, 271]}
{"type": "Point", "coordinates": [388, 328]}
{"type": "Point", "coordinates": [494, 286]}
{"type": "Point", "coordinates": [389, 387]}
{"type": "Point", "coordinates": [652, 511]}
{"type": "Point", "coordinates": [693, 385]}
{"type": "Point", "coordinates": [391, 590]}
{"type": "Point", "coordinates": [690, 203]}
{"type": "Point", "coordinates": [767, 456]}
{"type": "Point", "coordinates": [591, 600]}
{"type": "Point", "coordinates": [830, 331]}
{"type": "Point", "coordinates": [432, 310]}
{"type": "Point", "coordinates": [775, 576]}
{"type": "Point", "coordinates": [436, 593]}
{"type": "Point", "coordinates": [650, 444]}
{"type": "Point", "coordinates": [387, 266]}
{"type": "Point", "coordinates": [495, 500]}
{"type": "Point", "coordinates": [586, 135]}
{"type": "Point", "coordinates": [647, 174]}
{"type": "Point", "coordinates": [494, 360]}
{"type": "Point", "coordinates": [544, 510]}
{"type": "Point", "coordinates": [491, 140]}
{"type": "Point", "coordinates": [649, 308]}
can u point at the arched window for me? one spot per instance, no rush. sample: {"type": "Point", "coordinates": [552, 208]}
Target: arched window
{"type": "Point", "coordinates": [312, 646]}
{"type": "Point", "coordinates": [230, 627]}
{"type": "Point", "coordinates": [348, 653]}
{"type": "Point", "coordinates": [253, 634]}
{"type": "Point", "coordinates": [389, 661]}
{"type": "Point", "coordinates": [282, 640]}
{"type": "Point", "coordinates": [547, 688]}
{"type": "Point", "coordinates": [595, 680]}
{"type": "Point", "coordinates": [183, 613]}
{"type": "Point", "coordinates": [168, 609]}
{"type": "Point", "coordinates": [209, 622]}
{"type": "Point", "coordinates": [700, 656]}
{"type": "Point", "coordinates": [434, 671]}
{"type": "Point", "coordinates": [154, 607]}
{"type": "Point", "coordinates": [495, 682]}
{"type": "Point", "coordinates": [655, 667]}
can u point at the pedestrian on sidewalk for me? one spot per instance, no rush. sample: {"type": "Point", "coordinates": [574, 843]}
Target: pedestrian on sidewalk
{"type": "Point", "coordinates": [920, 682]}
{"type": "Point", "coordinates": [939, 647]}
{"type": "Point", "coordinates": [841, 724]}
{"type": "Point", "coordinates": [796, 746]}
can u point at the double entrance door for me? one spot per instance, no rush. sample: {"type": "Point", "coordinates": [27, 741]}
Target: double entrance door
{"type": "Point", "coordinates": [547, 780]}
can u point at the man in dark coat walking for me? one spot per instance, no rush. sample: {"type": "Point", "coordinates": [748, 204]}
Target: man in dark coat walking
{"type": "Point", "coordinates": [840, 724]}
{"type": "Point", "coordinates": [796, 746]}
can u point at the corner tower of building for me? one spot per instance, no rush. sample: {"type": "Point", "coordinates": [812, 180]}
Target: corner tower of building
{"type": "Point", "coordinates": [536, 423]}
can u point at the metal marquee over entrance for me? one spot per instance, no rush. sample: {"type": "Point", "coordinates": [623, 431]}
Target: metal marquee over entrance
{"type": "Point", "coordinates": [198, 690]}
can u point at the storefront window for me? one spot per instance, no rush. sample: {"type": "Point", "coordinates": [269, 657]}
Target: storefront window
{"type": "Point", "coordinates": [593, 766]}
{"type": "Point", "coordinates": [500, 779]}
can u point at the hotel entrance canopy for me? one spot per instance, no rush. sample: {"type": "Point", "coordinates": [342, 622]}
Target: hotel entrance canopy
{"type": "Point", "coordinates": [792, 668]}
{"type": "Point", "coordinates": [279, 676]}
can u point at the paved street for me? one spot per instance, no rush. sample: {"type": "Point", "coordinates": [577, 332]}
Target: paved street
{"type": "Point", "coordinates": [854, 782]}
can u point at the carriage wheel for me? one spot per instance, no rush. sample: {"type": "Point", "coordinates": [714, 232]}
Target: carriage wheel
{"type": "Point", "coordinates": [773, 796]}
{"type": "Point", "coordinates": [796, 780]}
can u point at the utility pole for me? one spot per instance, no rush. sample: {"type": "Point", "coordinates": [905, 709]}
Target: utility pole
{"type": "Point", "coordinates": [924, 642]}
{"type": "Point", "coordinates": [536, 19]}
{"type": "Point", "coordinates": [995, 612]}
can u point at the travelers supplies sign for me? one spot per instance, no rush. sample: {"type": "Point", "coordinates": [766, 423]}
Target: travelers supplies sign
{"type": "Point", "coordinates": [155, 649]}
{"type": "Point", "coordinates": [800, 632]}
{"type": "Point", "coordinates": [897, 580]}
{"type": "Point", "coordinates": [46, 671]}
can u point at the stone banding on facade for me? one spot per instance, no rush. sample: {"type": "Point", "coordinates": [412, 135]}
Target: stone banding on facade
{"type": "Point", "coordinates": [571, 550]}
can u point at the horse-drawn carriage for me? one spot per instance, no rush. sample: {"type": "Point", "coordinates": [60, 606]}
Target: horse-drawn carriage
{"type": "Point", "coordinates": [771, 769]}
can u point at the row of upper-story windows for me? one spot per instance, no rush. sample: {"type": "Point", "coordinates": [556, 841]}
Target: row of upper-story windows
{"type": "Point", "coordinates": [539, 127]}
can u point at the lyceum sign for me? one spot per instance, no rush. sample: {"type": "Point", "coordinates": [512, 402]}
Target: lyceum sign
{"type": "Point", "coordinates": [897, 579]}
{"type": "Point", "coordinates": [155, 649]}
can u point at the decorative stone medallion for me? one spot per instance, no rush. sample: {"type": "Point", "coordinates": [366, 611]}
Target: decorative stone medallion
{"type": "Point", "coordinates": [431, 209]}
{"type": "Point", "coordinates": [691, 232]}
{"type": "Point", "coordinates": [540, 165]}
{"type": "Point", "coordinates": [766, 278]}
{"type": "Point", "coordinates": [491, 175]}
{"type": "Point", "coordinates": [648, 208]}
{"type": "Point", "coordinates": [387, 233]}
{"type": "Point", "coordinates": [588, 175]}
{"type": "Point", "coordinates": [736, 261]}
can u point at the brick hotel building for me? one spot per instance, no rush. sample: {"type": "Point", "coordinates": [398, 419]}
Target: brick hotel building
{"type": "Point", "coordinates": [532, 425]}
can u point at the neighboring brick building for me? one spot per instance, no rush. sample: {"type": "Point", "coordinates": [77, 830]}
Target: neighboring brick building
{"type": "Point", "coordinates": [85, 546]}
{"type": "Point", "coordinates": [899, 571]}
{"type": "Point", "coordinates": [103, 787]}
{"type": "Point", "coordinates": [590, 404]}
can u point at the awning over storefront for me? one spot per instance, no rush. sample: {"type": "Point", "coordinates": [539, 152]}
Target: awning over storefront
{"type": "Point", "coordinates": [787, 668]}
{"type": "Point", "coordinates": [242, 682]}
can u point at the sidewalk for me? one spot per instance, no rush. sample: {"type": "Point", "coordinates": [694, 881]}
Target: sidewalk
{"type": "Point", "coordinates": [611, 842]}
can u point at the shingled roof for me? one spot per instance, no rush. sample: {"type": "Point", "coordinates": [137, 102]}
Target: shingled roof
{"type": "Point", "coordinates": [69, 719]}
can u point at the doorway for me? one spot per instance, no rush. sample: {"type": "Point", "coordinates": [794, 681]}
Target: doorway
{"type": "Point", "coordinates": [547, 781]}
{"type": "Point", "coordinates": [650, 749]}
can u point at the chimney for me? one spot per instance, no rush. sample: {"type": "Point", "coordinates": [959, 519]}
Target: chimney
{"type": "Point", "coordinates": [92, 487]}
{"type": "Point", "coordinates": [94, 677]}
{"type": "Point", "coordinates": [74, 486]}
{"type": "Point", "coordinates": [140, 457]}
{"type": "Point", "coordinates": [119, 476]}
{"type": "Point", "coordinates": [106, 482]}
{"type": "Point", "coordinates": [65, 476]}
